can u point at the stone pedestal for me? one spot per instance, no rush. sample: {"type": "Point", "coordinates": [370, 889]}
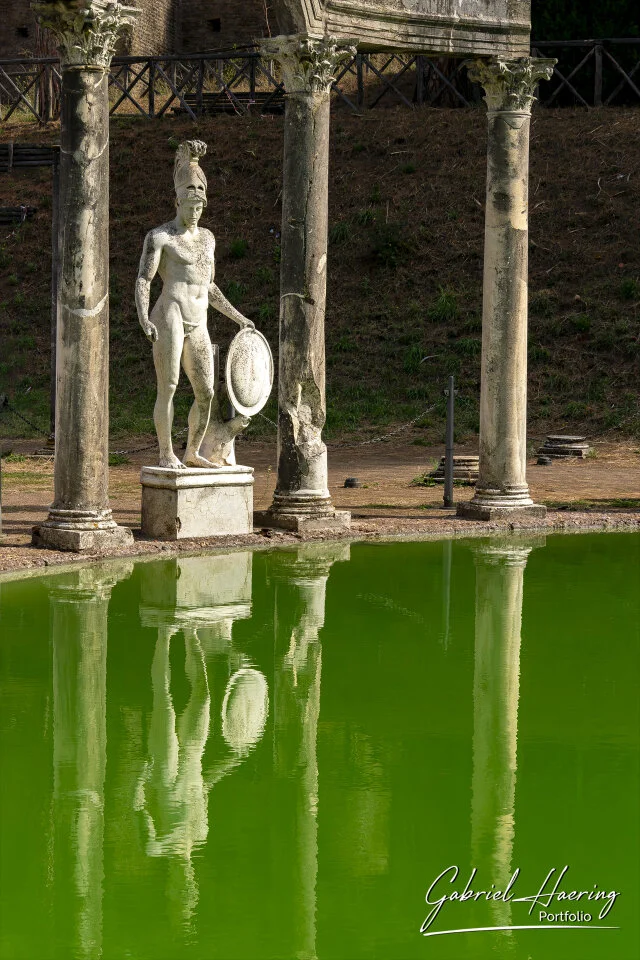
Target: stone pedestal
{"type": "Point", "coordinates": [502, 485]}
{"type": "Point", "coordinates": [178, 504]}
{"type": "Point", "coordinates": [80, 517]}
{"type": "Point", "coordinates": [302, 495]}
{"type": "Point", "coordinates": [464, 468]}
{"type": "Point", "coordinates": [564, 447]}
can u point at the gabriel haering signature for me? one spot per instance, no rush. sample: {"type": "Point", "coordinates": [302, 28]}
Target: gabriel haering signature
{"type": "Point", "coordinates": [549, 895]}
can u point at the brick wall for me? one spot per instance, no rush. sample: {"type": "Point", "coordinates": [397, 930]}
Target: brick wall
{"type": "Point", "coordinates": [164, 26]}
{"type": "Point", "coordinates": [156, 27]}
{"type": "Point", "coordinates": [221, 24]}
{"type": "Point", "coordinates": [18, 31]}
{"type": "Point", "coordinates": [155, 30]}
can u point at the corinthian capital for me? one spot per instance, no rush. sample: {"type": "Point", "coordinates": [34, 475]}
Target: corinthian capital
{"type": "Point", "coordinates": [509, 84]}
{"type": "Point", "coordinates": [308, 65]}
{"type": "Point", "coordinates": [86, 31]}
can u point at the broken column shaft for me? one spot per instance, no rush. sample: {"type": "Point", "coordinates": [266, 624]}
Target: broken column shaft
{"type": "Point", "coordinates": [80, 517]}
{"type": "Point", "coordinates": [302, 495]}
{"type": "Point", "coordinates": [502, 485]}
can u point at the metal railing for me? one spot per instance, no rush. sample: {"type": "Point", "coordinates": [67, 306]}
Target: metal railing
{"type": "Point", "coordinates": [589, 73]}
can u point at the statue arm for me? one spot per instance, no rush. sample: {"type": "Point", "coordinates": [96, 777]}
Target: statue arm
{"type": "Point", "coordinates": [149, 263]}
{"type": "Point", "coordinates": [218, 300]}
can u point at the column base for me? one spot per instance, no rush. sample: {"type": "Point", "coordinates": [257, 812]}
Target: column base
{"type": "Point", "coordinates": [501, 507]}
{"type": "Point", "coordinates": [337, 522]}
{"type": "Point", "coordinates": [303, 513]}
{"type": "Point", "coordinates": [81, 531]}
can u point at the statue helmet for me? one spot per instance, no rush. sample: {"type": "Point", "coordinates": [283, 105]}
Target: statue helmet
{"type": "Point", "coordinates": [188, 176]}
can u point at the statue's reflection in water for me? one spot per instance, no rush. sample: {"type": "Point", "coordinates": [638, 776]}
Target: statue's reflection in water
{"type": "Point", "coordinates": [200, 597]}
{"type": "Point", "coordinates": [500, 570]}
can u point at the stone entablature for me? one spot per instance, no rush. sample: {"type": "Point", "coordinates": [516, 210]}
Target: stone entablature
{"type": "Point", "coordinates": [462, 27]}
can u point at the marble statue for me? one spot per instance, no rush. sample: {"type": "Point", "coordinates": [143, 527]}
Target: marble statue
{"type": "Point", "coordinates": [183, 254]}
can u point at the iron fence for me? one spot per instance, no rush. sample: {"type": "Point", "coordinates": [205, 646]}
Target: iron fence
{"type": "Point", "coordinates": [589, 73]}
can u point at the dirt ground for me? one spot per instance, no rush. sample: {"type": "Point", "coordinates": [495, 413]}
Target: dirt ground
{"type": "Point", "coordinates": [601, 492]}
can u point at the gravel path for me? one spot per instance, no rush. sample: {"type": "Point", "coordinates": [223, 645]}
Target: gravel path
{"type": "Point", "coordinates": [601, 493]}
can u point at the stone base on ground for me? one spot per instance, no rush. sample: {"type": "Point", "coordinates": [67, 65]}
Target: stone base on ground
{"type": "Point", "coordinates": [178, 504]}
{"type": "Point", "coordinates": [81, 540]}
{"type": "Point", "coordinates": [564, 447]}
{"type": "Point", "coordinates": [464, 468]}
{"type": "Point", "coordinates": [472, 510]}
{"type": "Point", "coordinates": [335, 522]}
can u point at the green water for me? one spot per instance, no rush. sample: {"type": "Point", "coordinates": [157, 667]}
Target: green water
{"type": "Point", "coordinates": [276, 754]}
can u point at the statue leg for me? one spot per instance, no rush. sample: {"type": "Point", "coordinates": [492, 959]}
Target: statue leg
{"type": "Point", "coordinates": [197, 359]}
{"type": "Point", "coordinates": [167, 351]}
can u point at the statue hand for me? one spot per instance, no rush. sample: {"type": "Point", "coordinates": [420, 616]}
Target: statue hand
{"type": "Point", "coordinates": [150, 331]}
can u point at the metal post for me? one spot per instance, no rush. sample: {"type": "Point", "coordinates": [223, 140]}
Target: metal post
{"type": "Point", "coordinates": [55, 261]}
{"type": "Point", "coordinates": [448, 453]}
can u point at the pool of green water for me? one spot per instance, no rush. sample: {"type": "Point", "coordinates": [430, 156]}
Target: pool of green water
{"type": "Point", "coordinates": [286, 754]}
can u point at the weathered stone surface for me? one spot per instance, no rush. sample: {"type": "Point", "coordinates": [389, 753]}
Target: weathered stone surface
{"type": "Point", "coordinates": [86, 31]}
{"type": "Point", "coordinates": [249, 372]}
{"type": "Point", "coordinates": [184, 254]}
{"type": "Point", "coordinates": [308, 67]}
{"type": "Point", "coordinates": [502, 510]}
{"type": "Point", "coordinates": [502, 484]}
{"type": "Point", "coordinates": [334, 521]}
{"type": "Point", "coordinates": [464, 468]}
{"type": "Point", "coordinates": [80, 517]}
{"type": "Point", "coordinates": [178, 504]}
{"type": "Point", "coordinates": [564, 447]}
{"type": "Point", "coordinates": [438, 26]}
{"type": "Point", "coordinates": [78, 540]}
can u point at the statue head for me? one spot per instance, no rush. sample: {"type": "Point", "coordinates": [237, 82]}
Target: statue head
{"type": "Point", "coordinates": [189, 181]}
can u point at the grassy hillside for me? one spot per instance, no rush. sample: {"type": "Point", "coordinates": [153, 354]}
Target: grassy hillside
{"type": "Point", "coordinates": [405, 264]}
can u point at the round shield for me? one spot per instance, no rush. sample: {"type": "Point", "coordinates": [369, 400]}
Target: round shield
{"type": "Point", "coordinates": [249, 372]}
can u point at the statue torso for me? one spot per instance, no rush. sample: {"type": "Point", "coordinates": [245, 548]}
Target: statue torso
{"type": "Point", "coordinates": [186, 268]}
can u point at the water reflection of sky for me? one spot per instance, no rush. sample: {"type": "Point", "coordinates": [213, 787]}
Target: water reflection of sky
{"type": "Point", "coordinates": [276, 754]}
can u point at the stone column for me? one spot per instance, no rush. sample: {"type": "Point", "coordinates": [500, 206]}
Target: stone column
{"type": "Point", "coordinates": [302, 497]}
{"type": "Point", "coordinates": [80, 518]}
{"type": "Point", "coordinates": [502, 485]}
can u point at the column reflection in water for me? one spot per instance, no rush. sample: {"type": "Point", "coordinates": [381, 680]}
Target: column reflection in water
{"type": "Point", "coordinates": [79, 608]}
{"type": "Point", "coordinates": [201, 598]}
{"type": "Point", "coordinates": [303, 574]}
{"type": "Point", "coordinates": [500, 570]}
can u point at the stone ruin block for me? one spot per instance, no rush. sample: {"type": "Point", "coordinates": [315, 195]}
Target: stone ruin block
{"type": "Point", "coordinates": [464, 468]}
{"type": "Point", "coordinates": [453, 27]}
{"type": "Point", "coordinates": [564, 447]}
